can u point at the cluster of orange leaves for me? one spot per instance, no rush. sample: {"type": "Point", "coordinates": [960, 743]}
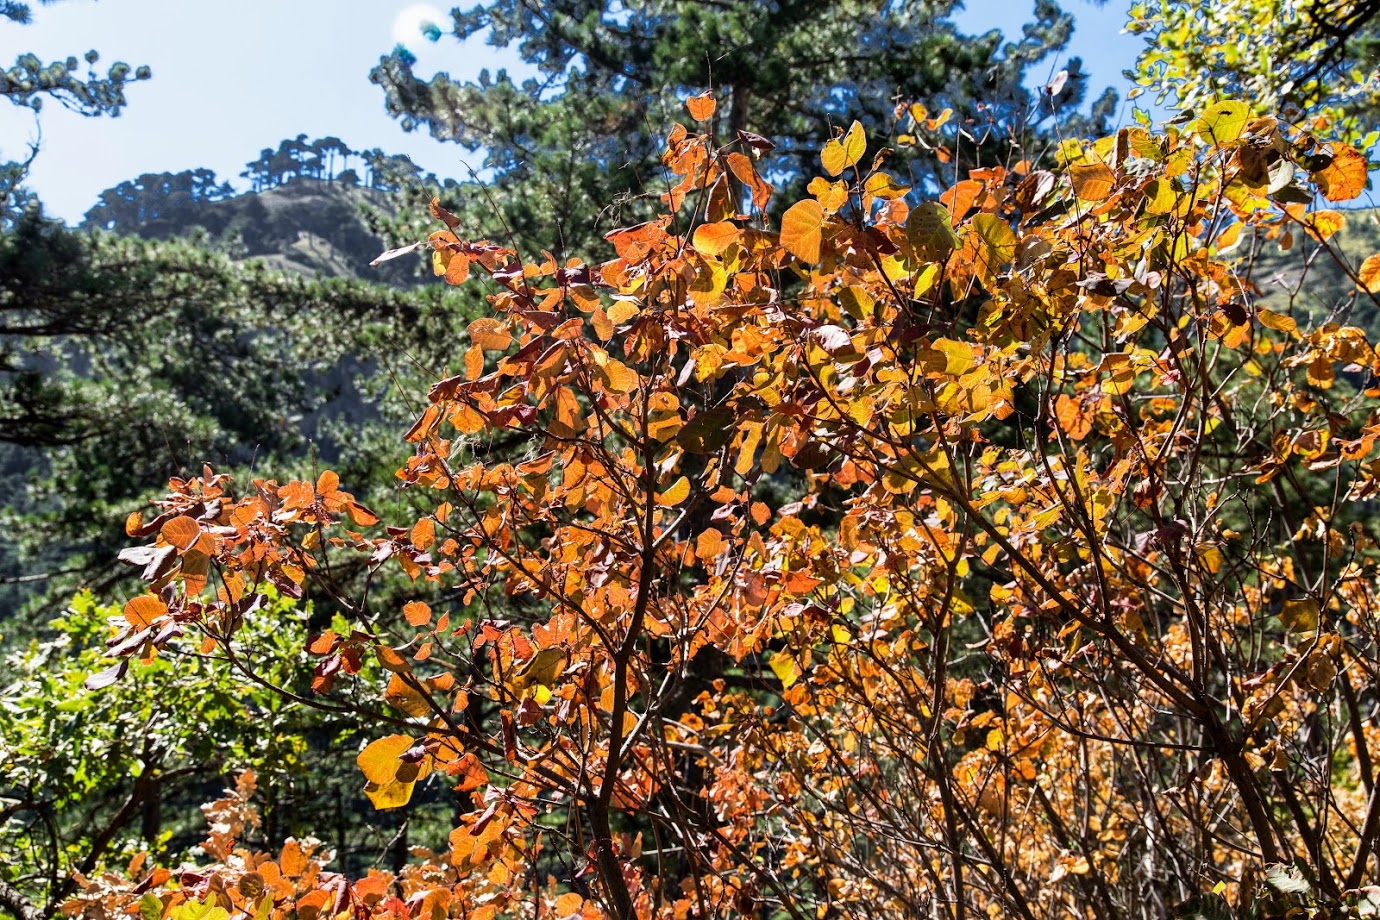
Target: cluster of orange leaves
{"type": "Point", "coordinates": [873, 561]}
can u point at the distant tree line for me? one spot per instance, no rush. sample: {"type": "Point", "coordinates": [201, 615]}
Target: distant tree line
{"type": "Point", "coordinates": [327, 158]}
{"type": "Point", "coordinates": [154, 197]}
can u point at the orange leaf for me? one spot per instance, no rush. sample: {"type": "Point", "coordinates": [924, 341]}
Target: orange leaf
{"type": "Point", "coordinates": [1092, 181]}
{"type": "Point", "coordinates": [417, 613]}
{"type": "Point", "coordinates": [472, 773]}
{"type": "Point", "coordinates": [618, 377]}
{"type": "Point", "coordinates": [569, 905]}
{"type": "Point", "coordinates": [458, 269]}
{"type": "Point", "coordinates": [960, 198]}
{"type": "Point", "coordinates": [424, 533]}
{"type": "Point", "coordinates": [742, 168]}
{"type": "Point", "coordinates": [1369, 274]}
{"type": "Point", "coordinates": [490, 334]}
{"type": "Point", "coordinates": [143, 610]}
{"type": "Point", "coordinates": [1278, 321]}
{"type": "Point", "coordinates": [709, 544]}
{"type": "Point", "coordinates": [361, 515]}
{"type": "Point", "coordinates": [292, 862]}
{"type": "Point", "coordinates": [712, 239]}
{"type": "Point", "coordinates": [474, 362]}
{"type": "Point", "coordinates": [181, 532]}
{"type": "Point", "coordinates": [1345, 177]}
{"type": "Point", "coordinates": [390, 659]}
{"type": "Point", "coordinates": [802, 230]}
{"type": "Point", "coordinates": [701, 107]}
{"type": "Point", "coordinates": [310, 905]}
{"type": "Point", "coordinates": [323, 644]}
{"type": "Point", "coordinates": [1072, 418]}
{"type": "Point", "coordinates": [424, 425]}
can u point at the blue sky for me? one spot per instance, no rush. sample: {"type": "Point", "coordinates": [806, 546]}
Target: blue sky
{"type": "Point", "coordinates": [232, 78]}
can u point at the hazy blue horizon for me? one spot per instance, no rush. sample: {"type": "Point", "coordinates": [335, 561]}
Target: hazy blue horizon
{"type": "Point", "coordinates": [310, 59]}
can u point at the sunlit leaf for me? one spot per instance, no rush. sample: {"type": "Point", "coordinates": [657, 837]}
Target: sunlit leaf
{"type": "Point", "coordinates": [802, 230]}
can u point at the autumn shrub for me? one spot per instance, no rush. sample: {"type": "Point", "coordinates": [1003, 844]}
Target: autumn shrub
{"type": "Point", "coordinates": [988, 553]}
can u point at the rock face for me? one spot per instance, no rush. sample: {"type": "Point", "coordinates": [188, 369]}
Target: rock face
{"type": "Point", "coordinates": [314, 227]}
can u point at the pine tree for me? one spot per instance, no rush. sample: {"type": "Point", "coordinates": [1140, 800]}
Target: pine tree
{"type": "Point", "coordinates": [794, 71]}
{"type": "Point", "coordinates": [30, 81]}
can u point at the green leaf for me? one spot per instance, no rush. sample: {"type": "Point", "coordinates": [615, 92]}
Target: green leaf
{"type": "Point", "coordinates": [707, 431]}
{"type": "Point", "coordinates": [1299, 615]}
{"type": "Point", "coordinates": [1290, 881]}
{"type": "Point", "coordinates": [930, 232]}
{"type": "Point", "coordinates": [999, 237]}
{"type": "Point", "coordinates": [199, 910]}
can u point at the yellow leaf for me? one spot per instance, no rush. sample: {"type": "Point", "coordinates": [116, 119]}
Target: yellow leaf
{"type": "Point", "coordinates": [999, 237]}
{"type": "Point", "coordinates": [389, 795]}
{"type": "Point", "coordinates": [854, 144]}
{"type": "Point", "coordinates": [542, 669]}
{"type": "Point", "coordinates": [785, 668]}
{"type": "Point", "coordinates": [881, 185]}
{"type": "Point", "coordinates": [1369, 274]}
{"type": "Point", "coordinates": [1222, 122]}
{"type": "Point", "coordinates": [959, 357]}
{"type": "Point", "coordinates": [709, 282]}
{"type": "Point", "coordinates": [1323, 225]}
{"type": "Point", "coordinates": [1160, 196]}
{"type": "Point", "coordinates": [200, 910]}
{"type": "Point", "coordinates": [380, 760]}
{"type": "Point", "coordinates": [838, 155]}
{"type": "Point", "coordinates": [930, 232]}
{"type": "Point", "coordinates": [831, 195]}
{"type": "Point", "coordinates": [677, 493]}
{"type": "Point", "coordinates": [802, 230]}
{"type": "Point", "coordinates": [1277, 321]}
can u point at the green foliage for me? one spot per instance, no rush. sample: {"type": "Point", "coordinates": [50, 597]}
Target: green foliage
{"type": "Point", "coordinates": [90, 771]}
{"type": "Point", "coordinates": [1302, 58]}
{"type": "Point", "coordinates": [30, 81]}
{"type": "Point", "coordinates": [126, 361]}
